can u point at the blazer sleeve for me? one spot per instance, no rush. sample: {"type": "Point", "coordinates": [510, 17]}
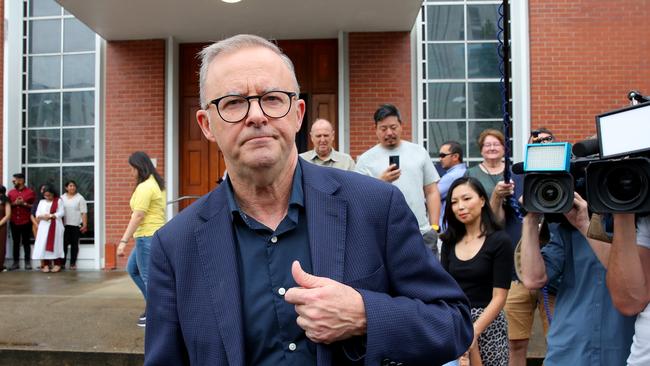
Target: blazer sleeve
{"type": "Point", "coordinates": [164, 343]}
{"type": "Point", "coordinates": [425, 319]}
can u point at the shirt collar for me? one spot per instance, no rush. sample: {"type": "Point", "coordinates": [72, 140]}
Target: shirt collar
{"type": "Point", "coordinates": [332, 156]}
{"type": "Point", "coordinates": [457, 166]}
{"type": "Point", "coordinates": [296, 199]}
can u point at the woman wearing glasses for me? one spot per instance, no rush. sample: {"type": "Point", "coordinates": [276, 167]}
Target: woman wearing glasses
{"type": "Point", "coordinates": [148, 206]}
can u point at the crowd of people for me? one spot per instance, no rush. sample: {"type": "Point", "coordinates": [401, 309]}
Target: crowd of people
{"type": "Point", "coordinates": [395, 265]}
{"type": "Point", "coordinates": [55, 221]}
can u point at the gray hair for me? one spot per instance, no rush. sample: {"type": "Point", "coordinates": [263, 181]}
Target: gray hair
{"type": "Point", "coordinates": [235, 43]}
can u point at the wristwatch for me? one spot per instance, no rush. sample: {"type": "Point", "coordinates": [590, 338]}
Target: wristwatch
{"type": "Point", "coordinates": [435, 227]}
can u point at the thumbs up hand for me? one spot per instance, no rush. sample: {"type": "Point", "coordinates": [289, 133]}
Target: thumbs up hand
{"type": "Point", "coordinates": [328, 311]}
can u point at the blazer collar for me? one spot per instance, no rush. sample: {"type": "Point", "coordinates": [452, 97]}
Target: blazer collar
{"type": "Point", "coordinates": [217, 252]}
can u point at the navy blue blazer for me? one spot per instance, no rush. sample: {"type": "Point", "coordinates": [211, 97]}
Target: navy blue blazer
{"type": "Point", "coordinates": [361, 233]}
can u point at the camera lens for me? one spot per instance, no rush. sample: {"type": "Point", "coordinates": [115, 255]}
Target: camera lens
{"type": "Point", "coordinates": [624, 185]}
{"type": "Point", "coordinates": [549, 193]}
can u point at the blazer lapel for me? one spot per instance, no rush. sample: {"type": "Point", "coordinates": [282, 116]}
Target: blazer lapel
{"type": "Point", "coordinates": [326, 222]}
{"type": "Point", "coordinates": [218, 254]}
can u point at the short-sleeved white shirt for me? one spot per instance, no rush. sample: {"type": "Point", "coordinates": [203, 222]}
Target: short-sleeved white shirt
{"type": "Point", "coordinates": [73, 208]}
{"type": "Point", "coordinates": [417, 172]}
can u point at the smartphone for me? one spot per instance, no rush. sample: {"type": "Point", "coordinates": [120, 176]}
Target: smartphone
{"type": "Point", "coordinates": [393, 159]}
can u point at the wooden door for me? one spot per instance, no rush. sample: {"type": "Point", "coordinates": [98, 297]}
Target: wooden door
{"type": "Point", "coordinates": [201, 162]}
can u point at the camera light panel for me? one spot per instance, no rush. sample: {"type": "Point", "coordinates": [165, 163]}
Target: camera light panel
{"type": "Point", "coordinates": [624, 131]}
{"type": "Point", "coordinates": [551, 157]}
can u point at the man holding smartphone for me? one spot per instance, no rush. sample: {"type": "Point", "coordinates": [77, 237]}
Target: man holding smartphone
{"type": "Point", "coordinates": [407, 166]}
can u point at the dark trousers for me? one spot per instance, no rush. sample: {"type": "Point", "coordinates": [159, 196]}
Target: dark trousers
{"type": "Point", "coordinates": [22, 234]}
{"type": "Point", "coordinates": [71, 236]}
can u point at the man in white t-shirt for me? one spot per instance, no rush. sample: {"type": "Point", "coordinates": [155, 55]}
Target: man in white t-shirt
{"type": "Point", "coordinates": [628, 280]}
{"type": "Point", "coordinates": [409, 167]}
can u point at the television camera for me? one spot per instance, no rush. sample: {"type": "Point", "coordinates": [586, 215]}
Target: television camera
{"type": "Point", "coordinates": [612, 171]}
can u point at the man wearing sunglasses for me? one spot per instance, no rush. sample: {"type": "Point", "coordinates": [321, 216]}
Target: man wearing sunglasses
{"type": "Point", "coordinates": [451, 159]}
{"type": "Point", "coordinates": [287, 262]}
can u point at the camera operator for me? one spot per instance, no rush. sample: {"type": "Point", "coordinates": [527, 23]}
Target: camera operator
{"type": "Point", "coordinates": [522, 302]}
{"type": "Point", "coordinates": [628, 279]}
{"type": "Point", "coordinates": [586, 329]}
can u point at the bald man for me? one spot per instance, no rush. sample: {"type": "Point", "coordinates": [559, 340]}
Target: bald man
{"type": "Point", "coordinates": [322, 135]}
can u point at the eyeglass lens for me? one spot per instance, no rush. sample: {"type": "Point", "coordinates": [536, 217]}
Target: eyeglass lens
{"type": "Point", "coordinates": [234, 108]}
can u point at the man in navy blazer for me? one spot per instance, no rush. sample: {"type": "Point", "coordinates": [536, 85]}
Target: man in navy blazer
{"type": "Point", "coordinates": [229, 280]}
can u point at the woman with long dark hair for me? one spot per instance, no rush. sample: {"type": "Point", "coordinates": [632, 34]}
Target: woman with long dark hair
{"type": "Point", "coordinates": [148, 215]}
{"type": "Point", "coordinates": [5, 216]}
{"type": "Point", "coordinates": [48, 245]}
{"type": "Point", "coordinates": [478, 254]}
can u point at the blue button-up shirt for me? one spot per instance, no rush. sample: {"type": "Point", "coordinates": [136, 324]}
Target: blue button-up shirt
{"type": "Point", "coordinates": [445, 182]}
{"type": "Point", "coordinates": [271, 334]}
{"type": "Point", "coordinates": [586, 328]}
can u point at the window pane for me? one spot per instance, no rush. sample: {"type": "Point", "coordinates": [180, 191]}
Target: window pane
{"type": "Point", "coordinates": [78, 71]}
{"type": "Point", "coordinates": [44, 109]}
{"type": "Point", "coordinates": [43, 146]}
{"type": "Point", "coordinates": [475, 129]}
{"type": "Point", "coordinates": [482, 21]}
{"type": "Point", "coordinates": [44, 72]}
{"type": "Point", "coordinates": [45, 36]}
{"type": "Point", "coordinates": [85, 178]}
{"type": "Point", "coordinates": [78, 145]}
{"type": "Point", "coordinates": [446, 61]}
{"type": "Point", "coordinates": [88, 236]}
{"type": "Point", "coordinates": [446, 100]}
{"type": "Point", "coordinates": [482, 60]}
{"type": "Point", "coordinates": [79, 108]}
{"type": "Point", "coordinates": [445, 23]}
{"type": "Point", "coordinates": [77, 37]}
{"type": "Point", "coordinates": [37, 176]}
{"type": "Point", "coordinates": [38, 8]}
{"type": "Point", "coordinates": [484, 100]}
{"type": "Point", "coordinates": [441, 132]}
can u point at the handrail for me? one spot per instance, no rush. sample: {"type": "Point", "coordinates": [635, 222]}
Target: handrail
{"type": "Point", "coordinates": [188, 197]}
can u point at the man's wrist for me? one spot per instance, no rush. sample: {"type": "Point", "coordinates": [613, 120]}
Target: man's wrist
{"type": "Point", "coordinates": [435, 227]}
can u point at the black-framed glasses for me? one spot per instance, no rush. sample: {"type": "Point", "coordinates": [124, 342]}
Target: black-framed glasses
{"type": "Point", "coordinates": [234, 108]}
{"type": "Point", "coordinates": [443, 155]}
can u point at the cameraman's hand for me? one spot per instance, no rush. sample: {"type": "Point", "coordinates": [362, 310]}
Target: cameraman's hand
{"type": "Point", "coordinates": [579, 214]}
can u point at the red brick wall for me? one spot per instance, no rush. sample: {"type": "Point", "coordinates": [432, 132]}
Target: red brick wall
{"type": "Point", "coordinates": [585, 57]}
{"type": "Point", "coordinates": [135, 111]}
{"type": "Point", "coordinates": [380, 72]}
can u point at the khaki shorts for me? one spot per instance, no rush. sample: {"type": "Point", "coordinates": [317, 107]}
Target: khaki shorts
{"type": "Point", "coordinates": [520, 309]}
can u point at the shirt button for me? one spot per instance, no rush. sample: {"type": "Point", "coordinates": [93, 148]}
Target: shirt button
{"type": "Point", "coordinates": [292, 346]}
{"type": "Point", "coordinates": [283, 291]}
{"type": "Point", "coordinates": [274, 239]}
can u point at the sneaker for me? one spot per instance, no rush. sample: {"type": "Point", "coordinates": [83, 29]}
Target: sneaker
{"type": "Point", "coordinates": [14, 267]}
{"type": "Point", "coordinates": [28, 266]}
{"type": "Point", "coordinates": [143, 316]}
{"type": "Point", "coordinates": [142, 322]}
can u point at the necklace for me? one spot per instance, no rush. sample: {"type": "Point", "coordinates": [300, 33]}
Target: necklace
{"type": "Point", "coordinates": [488, 170]}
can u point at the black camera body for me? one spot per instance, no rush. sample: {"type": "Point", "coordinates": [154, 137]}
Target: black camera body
{"type": "Point", "coordinates": [619, 180]}
{"type": "Point", "coordinates": [548, 183]}
{"type": "Point", "coordinates": [619, 185]}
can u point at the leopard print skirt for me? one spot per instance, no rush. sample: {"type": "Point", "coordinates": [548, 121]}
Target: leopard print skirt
{"type": "Point", "coordinates": [493, 342]}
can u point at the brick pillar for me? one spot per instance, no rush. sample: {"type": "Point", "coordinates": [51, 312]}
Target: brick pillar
{"type": "Point", "coordinates": [380, 72]}
{"type": "Point", "coordinates": [135, 120]}
{"type": "Point", "coordinates": [585, 56]}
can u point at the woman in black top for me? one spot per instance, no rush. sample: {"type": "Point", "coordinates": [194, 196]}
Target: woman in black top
{"type": "Point", "coordinates": [478, 254]}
